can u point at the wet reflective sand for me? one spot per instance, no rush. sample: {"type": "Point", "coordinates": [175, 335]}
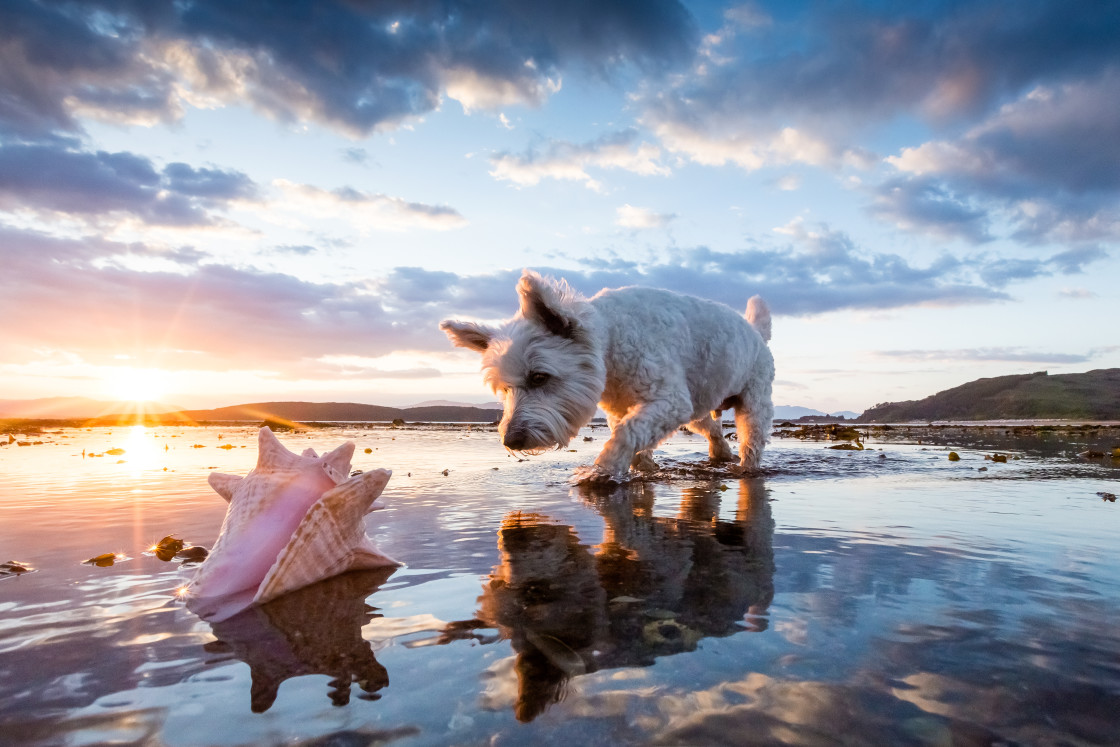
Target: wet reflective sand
{"type": "Point", "coordinates": [883, 596]}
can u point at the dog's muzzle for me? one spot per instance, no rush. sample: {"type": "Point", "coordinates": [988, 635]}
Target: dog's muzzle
{"type": "Point", "coordinates": [516, 439]}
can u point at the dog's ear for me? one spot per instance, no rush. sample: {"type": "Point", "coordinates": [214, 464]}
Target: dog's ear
{"type": "Point", "coordinates": [467, 334]}
{"type": "Point", "coordinates": [547, 303]}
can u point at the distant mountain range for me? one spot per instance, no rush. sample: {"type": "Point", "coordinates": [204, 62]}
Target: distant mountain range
{"type": "Point", "coordinates": [452, 403]}
{"type": "Point", "coordinates": [308, 412]}
{"type": "Point", "coordinates": [439, 410]}
{"type": "Point", "coordinates": [1094, 395]}
{"type": "Point", "coordinates": [793, 412]}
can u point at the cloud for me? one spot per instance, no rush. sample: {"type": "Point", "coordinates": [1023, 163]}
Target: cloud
{"type": "Point", "coordinates": [1079, 294]}
{"type": "Point", "coordinates": [1000, 271]}
{"type": "Point", "coordinates": [560, 159]}
{"type": "Point", "coordinates": [629, 216]}
{"type": "Point", "coordinates": [992, 355]}
{"type": "Point", "coordinates": [357, 366]}
{"type": "Point", "coordinates": [1049, 161]}
{"type": "Point", "coordinates": [79, 295]}
{"type": "Point", "coordinates": [474, 89]}
{"type": "Point", "coordinates": [372, 211]}
{"type": "Point", "coordinates": [54, 178]}
{"type": "Point", "coordinates": [99, 188]}
{"type": "Point", "coordinates": [788, 183]}
{"type": "Point", "coordinates": [355, 155]}
{"type": "Point", "coordinates": [301, 250]}
{"type": "Point", "coordinates": [712, 144]}
{"type": "Point", "coordinates": [358, 67]}
{"type": "Point", "coordinates": [1018, 97]}
{"type": "Point", "coordinates": [1073, 261]}
{"type": "Point", "coordinates": [821, 271]}
{"type": "Point", "coordinates": [99, 298]}
{"type": "Point", "coordinates": [1062, 136]}
{"type": "Point", "coordinates": [794, 85]}
{"type": "Point", "coordinates": [436, 294]}
{"type": "Point", "coordinates": [925, 205]}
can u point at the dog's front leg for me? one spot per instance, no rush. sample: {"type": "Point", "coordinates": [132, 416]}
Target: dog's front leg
{"type": "Point", "coordinates": [644, 427]}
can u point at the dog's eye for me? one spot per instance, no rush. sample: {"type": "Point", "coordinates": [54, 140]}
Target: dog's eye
{"type": "Point", "coordinates": [537, 378]}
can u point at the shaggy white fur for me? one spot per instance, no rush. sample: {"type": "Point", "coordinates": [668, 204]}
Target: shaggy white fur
{"type": "Point", "coordinates": [654, 360]}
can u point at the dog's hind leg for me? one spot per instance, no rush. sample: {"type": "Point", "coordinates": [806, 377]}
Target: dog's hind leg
{"type": "Point", "coordinates": [710, 428]}
{"type": "Point", "coordinates": [754, 417]}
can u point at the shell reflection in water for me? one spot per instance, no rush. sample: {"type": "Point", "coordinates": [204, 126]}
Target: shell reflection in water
{"type": "Point", "coordinates": [295, 519]}
{"type": "Point", "coordinates": [314, 630]}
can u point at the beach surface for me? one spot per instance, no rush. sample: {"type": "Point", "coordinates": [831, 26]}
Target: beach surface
{"type": "Point", "coordinates": [878, 596]}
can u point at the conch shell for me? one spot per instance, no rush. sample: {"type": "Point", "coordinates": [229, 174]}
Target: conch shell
{"type": "Point", "coordinates": [292, 521]}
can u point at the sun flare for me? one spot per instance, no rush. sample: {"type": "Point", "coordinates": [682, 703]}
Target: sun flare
{"type": "Point", "coordinates": [137, 384]}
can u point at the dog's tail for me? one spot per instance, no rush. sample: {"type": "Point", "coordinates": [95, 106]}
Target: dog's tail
{"type": "Point", "coordinates": [758, 314]}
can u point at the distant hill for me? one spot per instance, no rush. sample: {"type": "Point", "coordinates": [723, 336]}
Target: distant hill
{"type": "Point", "coordinates": [1094, 395]}
{"type": "Point", "coordinates": [306, 412]}
{"type": "Point", "coordinates": [74, 407]}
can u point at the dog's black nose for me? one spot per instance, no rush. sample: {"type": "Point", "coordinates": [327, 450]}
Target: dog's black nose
{"type": "Point", "coordinates": [515, 438]}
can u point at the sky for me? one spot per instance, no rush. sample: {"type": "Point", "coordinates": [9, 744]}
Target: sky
{"type": "Point", "coordinates": [210, 203]}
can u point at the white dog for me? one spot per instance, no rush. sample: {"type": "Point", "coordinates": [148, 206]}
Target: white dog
{"type": "Point", "coordinates": [654, 360]}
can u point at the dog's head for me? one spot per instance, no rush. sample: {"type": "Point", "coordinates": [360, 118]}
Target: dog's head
{"type": "Point", "coordinates": [546, 363]}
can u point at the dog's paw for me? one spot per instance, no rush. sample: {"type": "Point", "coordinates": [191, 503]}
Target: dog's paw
{"type": "Point", "coordinates": [595, 475]}
{"type": "Point", "coordinates": [739, 470]}
{"type": "Point", "coordinates": [643, 462]}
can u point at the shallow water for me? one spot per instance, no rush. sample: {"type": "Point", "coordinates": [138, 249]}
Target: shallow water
{"type": "Point", "coordinates": [872, 597]}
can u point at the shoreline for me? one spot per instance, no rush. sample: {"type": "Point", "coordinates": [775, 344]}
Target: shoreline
{"type": "Point", "coordinates": [1075, 439]}
{"type": "Point", "coordinates": [17, 425]}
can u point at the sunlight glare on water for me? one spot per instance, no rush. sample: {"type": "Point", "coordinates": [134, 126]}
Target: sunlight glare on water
{"type": "Point", "coordinates": [141, 450]}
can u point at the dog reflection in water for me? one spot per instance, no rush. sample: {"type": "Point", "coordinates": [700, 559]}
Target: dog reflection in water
{"type": "Point", "coordinates": [654, 586]}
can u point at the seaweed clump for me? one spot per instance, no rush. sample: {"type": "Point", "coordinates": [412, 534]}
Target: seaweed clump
{"type": "Point", "coordinates": [825, 432]}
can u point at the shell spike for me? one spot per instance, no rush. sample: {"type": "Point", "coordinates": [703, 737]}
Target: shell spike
{"type": "Point", "coordinates": [224, 484]}
{"type": "Point", "coordinates": [336, 463]}
{"type": "Point", "coordinates": [382, 479]}
{"type": "Point", "coordinates": [271, 452]}
{"type": "Point", "coordinates": [331, 539]}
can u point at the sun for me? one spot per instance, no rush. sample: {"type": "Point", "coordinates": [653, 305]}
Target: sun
{"type": "Point", "coordinates": [137, 384]}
